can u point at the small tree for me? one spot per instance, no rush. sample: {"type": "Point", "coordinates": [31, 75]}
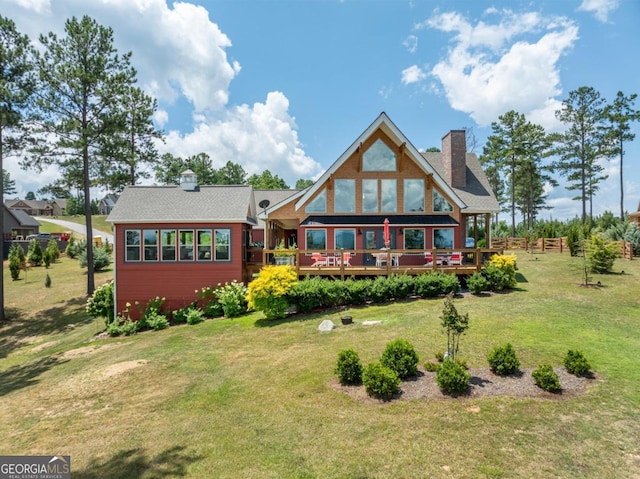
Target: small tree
{"type": "Point", "coordinates": [34, 253]}
{"type": "Point", "coordinates": [600, 254]}
{"type": "Point", "coordinates": [16, 259]}
{"type": "Point", "coordinates": [454, 325]}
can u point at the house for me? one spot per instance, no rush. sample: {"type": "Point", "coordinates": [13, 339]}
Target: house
{"type": "Point", "coordinates": [380, 193]}
{"type": "Point", "coordinates": [635, 217]}
{"type": "Point", "coordinates": [172, 240]}
{"type": "Point", "coordinates": [17, 225]}
{"type": "Point", "coordinates": [106, 204]}
{"type": "Point", "coordinates": [53, 207]}
{"type": "Point", "coordinates": [429, 200]}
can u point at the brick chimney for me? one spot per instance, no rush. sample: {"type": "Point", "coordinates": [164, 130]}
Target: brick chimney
{"type": "Point", "coordinates": [454, 157]}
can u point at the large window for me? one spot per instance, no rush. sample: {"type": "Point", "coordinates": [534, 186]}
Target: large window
{"type": "Point", "coordinates": [414, 238]}
{"type": "Point", "coordinates": [132, 245]}
{"type": "Point", "coordinates": [379, 157]}
{"type": "Point", "coordinates": [413, 195]}
{"type": "Point", "coordinates": [318, 204]}
{"type": "Point", "coordinates": [379, 196]}
{"type": "Point", "coordinates": [440, 203]}
{"type": "Point", "coordinates": [152, 245]}
{"type": "Point", "coordinates": [443, 238]}
{"type": "Point", "coordinates": [316, 239]}
{"type": "Point", "coordinates": [369, 196]}
{"type": "Point", "coordinates": [223, 245]}
{"type": "Point", "coordinates": [345, 238]}
{"type": "Point", "coordinates": [345, 196]}
{"type": "Point", "coordinates": [389, 196]}
{"type": "Point", "coordinates": [168, 239]}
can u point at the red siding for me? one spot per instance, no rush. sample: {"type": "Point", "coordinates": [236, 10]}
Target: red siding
{"type": "Point", "coordinates": [176, 281]}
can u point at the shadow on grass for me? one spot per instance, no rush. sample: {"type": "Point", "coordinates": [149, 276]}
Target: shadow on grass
{"type": "Point", "coordinates": [56, 319]}
{"type": "Point", "coordinates": [172, 462]}
{"type": "Point", "coordinates": [24, 375]}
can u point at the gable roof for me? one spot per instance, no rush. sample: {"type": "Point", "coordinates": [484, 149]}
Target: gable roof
{"type": "Point", "coordinates": [21, 217]}
{"type": "Point", "coordinates": [392, 131]}
{"type": "Point", "coordinates": [171, 204]}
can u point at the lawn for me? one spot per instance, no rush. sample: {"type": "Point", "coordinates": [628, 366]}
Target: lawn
{"type": "Point", "coordinates": [97, 221]}
{"type": "Point", "coordinates": [246, 398]}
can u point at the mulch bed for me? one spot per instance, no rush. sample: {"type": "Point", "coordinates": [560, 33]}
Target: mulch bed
{"type": "Point", "coordinates": [483, 383]}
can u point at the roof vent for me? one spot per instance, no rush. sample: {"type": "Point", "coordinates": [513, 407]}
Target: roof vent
{"type": "Point", "coordinates": [188, 180]}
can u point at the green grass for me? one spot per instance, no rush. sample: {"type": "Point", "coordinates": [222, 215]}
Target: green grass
{"type": "Point", "coordinates": [248, 398]}
{"type": "Point", "coordinates": [97, 221]}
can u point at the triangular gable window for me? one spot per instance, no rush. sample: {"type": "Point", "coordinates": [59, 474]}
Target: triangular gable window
{"type": "Point", "coordinates": [379, 157]}
{"type": "Point", "coordinates": [318, 204]}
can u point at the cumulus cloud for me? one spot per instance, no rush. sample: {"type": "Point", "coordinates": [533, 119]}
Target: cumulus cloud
{"type": "Point", "coordinates": [411, 43]}
{"type": "Point", "coordinates": [600, 8]}
{"type": "Point", "coordinates": [512, 63]}
{"type": "Point", "coordinates": [181, 58]}
{"type": "Point", "coordinates": [413, 74]}
{"type": "Point", "coordinates": [259, 137]}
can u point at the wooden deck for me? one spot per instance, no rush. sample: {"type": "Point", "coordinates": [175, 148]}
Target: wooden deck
{"type": "Point", "coordinates": [362, 263]}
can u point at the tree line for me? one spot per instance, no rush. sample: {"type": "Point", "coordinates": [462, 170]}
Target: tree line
{"type": "Point", "coordinates": [515, 154]}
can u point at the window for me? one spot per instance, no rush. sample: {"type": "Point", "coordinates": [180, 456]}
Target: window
{"type": "Point", "coordinates": [414, 238]}
{"type": "Point", "coordinates": [318, 204]}
{"type": "Point", "coordinates": [370, 196]}
{"type": "Point", "coordinates": [132, 245]}
{"type": "Point", "coordinates": [150, 245]}
{"type": "Point", "coordinates": [203, 238]}
{"type": "Point", "coordinates": [440, 203]}
{"type": "Point", "coordinates": [186, 245]}
{"type": "Point", "coordinates": [316, 239]}
{"type": "Point", "coordinates": [345, 196]}
{"type": "Point", "coordinates": [168, 241]}
{"type": "Point", "coordinates": [379, 157]}
{"type": "Point", "coordinates": [443, 238]}
{"type": "Point", "coordinates": [345, 238]}
{"type": "Point", "coordinates": [223, 245]}
{"type": "Point", "coordinates": [389, 196]}
{"type": "Point", "coordinates": [413, 195]}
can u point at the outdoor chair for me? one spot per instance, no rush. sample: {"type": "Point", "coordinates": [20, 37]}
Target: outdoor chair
{"type": "Point", "coordinates": [318, 259]}
{"type": "Point", "coordinates": [455, 258]}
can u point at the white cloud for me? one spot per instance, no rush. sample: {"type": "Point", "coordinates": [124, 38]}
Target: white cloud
{"type": "Point", "coordinates": [411, 43]}
{"type": "Point", "coordinates": [37, 6]}
{"type": "Point", "coordinates": [413, 74]}
{"type": "Point", "coordinates": [600, 8]}
{"type": "Point", "coordinates": [511, 64]}
{"type": "Point", "coordinates": [258, 137]}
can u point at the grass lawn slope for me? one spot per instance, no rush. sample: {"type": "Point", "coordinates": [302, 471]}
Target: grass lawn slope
{"type": "Point", "coordinates": [246, 398]}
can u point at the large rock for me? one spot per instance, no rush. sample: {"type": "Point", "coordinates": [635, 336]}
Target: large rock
{"type": "Point", "coordinates": [326, 325]}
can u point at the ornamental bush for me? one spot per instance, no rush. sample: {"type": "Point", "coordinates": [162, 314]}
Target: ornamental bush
{"type": "Point", "coordinates": [101, 303]}
{"type": "Point", "coordinates": [477, 283]}
{"type": "Point", "coordinates": [233, 299]}
{"type": "Point", "coordinates": [401, 357]}
{"type": "Point", "coordinates": [156, 321]}
{"type": "Point", "coordinates": [268, 292]}
{"type": "Point", "coordinates": [577, 364]}
{"type": "Point", "coordinates": [503, 360]}
{"type": "Point", "coordinates": [101, 259]}
{"type": "Point", "coordinates": [452, 377]}
{"type": "Point", "coordinates": [34, 252]}
{"type": "Point", "coordinates": [380, 381]}
{"type": "Point", "coordinates": [601, 255]}
{"type": "Point", "coordinates": [546, 378]}
{"type": "Point", "coordinates": [500, 272]}
{"type": "Point", "coordinates": [16, 260]}
{"type": "Point", "coordinates": [208, 301]}
{"type": "Point", "coordinates": [194, 316]}
{"type": "Point", "coordinates": [54, 251]}
{"type": "Point", "coordinates": [348, 367]}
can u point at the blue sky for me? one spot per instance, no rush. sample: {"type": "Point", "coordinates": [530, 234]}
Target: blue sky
{"type": "Point", "coordinates": [288, 85]}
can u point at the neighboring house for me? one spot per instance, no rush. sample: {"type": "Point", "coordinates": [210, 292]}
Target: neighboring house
{"type": "Point", "coordinates": [173, 240]}
{"type": "Point", "coordinates": [635, 217]}
{"type": "Point", "coordinates": [18, 224]}
{"type": "Point", "coordinates": [430, 200]}
{"type": "Point", "coordinates": [54, 207]}
{"type": "Point", "coordinates": [106, 204]}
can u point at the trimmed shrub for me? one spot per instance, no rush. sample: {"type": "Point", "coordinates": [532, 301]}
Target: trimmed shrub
{"type": "Point", "coordinates": [54, 251]}
{"type": "Point", "coordinates": [477, 283]}
{"type": "Point", "coordinates": [268, 292]}
{"type": "Point", "coordinates": [194, 316]}
{"type": "Point", "coordinates": [601, 255]}
{"type": "Point", "coordinates": [47, 281]}
{"type": "Point", "coordinates": [452, 377]}
{"type": "Point", "coordinates": [348, 367]}
{"type": "Point", "coordinates": [46, 258]}
{"type": "Point", "coordinates": [401, 357]}
{"type": "Point", "coordinates": [101, 259]}
{"type": "Point", "coordinates": [500, 272]}
{"type": "Point", "coordinates": [71, 249]}
{"type": "Point", "coordinates": [380, 381]}
{"type": "Point", "coordinates": [503, 360]}
{"type": "Point", "coordinates": [546, 378]}
{"type": "Point", "coordinates": [16, 260]}
{"type": "Point", "coordinates": [34, 253]}
{"type": "Point", "coordinates": [577, 364]}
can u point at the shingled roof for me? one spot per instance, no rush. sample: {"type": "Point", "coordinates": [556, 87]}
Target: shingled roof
{"type": "Point", "coordinates": [171, 204]}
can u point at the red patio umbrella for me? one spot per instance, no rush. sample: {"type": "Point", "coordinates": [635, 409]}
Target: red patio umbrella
{"type": "Point", "coordinates": [387, 236]}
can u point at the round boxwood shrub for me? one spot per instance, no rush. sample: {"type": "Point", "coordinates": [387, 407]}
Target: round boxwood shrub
{"type": "Point", "coordinates": [348, 367]}
{"type": "Point", "coordinates": [546, 378]}
{"type": "Point", "coordinates": [400, 356]}
{"type": "Point", "coordinates": [477, 283]}
{"type": "Point", "coordinates": [452, 378]}
{"type": "Point", "coordinates": [503, 360]}
{"type": "Point", "coordinates": [577, 364]}
{"type": "Point", "coordinates": [380, 381]}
